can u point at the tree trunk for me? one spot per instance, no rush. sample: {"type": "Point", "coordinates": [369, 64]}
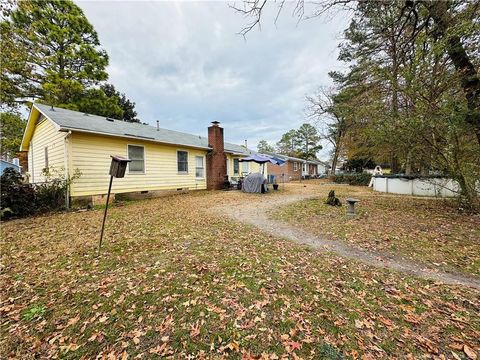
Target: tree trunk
{"type": "Point", "coordinates": [408, 164]}
{"type": "Point", "coordinates": [336, 153]}
{"type": "Point", "coordinates": [466, 71]}
{"type": "Point", "coordinates": [467, 183]}
{"type": "Point", "coordinates": [334, 161]}
{"type": "Point", "coordinates": [394, 165]}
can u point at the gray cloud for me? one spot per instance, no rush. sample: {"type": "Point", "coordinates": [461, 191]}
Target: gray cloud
{"type": "Point", "coordinates": [183, 63]}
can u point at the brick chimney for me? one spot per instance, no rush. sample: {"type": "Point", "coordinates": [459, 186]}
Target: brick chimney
{"type": "Point", "coordinates": [216, 158]}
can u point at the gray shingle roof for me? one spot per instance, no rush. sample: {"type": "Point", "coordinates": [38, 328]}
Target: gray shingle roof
{"type": "Point", "coordinates": [78, 121]}
{"type": "Point", "coordinates": [291, 158]}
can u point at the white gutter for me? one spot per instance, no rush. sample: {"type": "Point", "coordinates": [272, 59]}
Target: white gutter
{"type": "Point", "coordinates": [132, 137]}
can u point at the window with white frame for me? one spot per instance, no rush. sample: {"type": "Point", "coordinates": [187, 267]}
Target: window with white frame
{"type": "Point", "coordinates": [182, 161]}
{"type": "Point", "coordinates": [244, 167]}
{"type": "Point", "coordinates": [136, 153]}
{"type": "Point", "coordinates": [236, 167]}
{"type": "Point", "coordinates": [295, 166]}
{"type": "Point", "coordinates": [199, 169]}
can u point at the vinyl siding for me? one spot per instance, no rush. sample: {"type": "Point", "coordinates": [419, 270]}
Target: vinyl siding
{"type": "Point", "coordinates": [90, 154]}
{"type": "Point", "coordinates": [47, 136]}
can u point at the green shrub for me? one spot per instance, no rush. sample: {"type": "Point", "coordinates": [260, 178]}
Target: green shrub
{"type": "Point", "coordinates": [17, 198]}
{"type": "Point", "coordinates": [50, 196]}
{"type": "Point", "coordinates": [361, 179]}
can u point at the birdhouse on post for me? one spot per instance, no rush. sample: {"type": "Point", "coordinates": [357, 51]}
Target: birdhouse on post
{"type": "Point", "coordinates": [118, 166]}
{"type": "Point", "coordinates": [117, 169]}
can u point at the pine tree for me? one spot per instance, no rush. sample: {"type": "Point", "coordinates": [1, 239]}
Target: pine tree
{"type": "Point", "coordinates": [51, 53]}
{"type": "Point", "coordinates": [264, 147]}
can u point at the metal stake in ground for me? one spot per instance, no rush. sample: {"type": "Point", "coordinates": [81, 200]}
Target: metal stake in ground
{"type": "Point", "coordinates": [117, 169]}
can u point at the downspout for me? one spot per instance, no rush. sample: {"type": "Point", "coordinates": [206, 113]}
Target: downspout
{"type": "Point", "coordinates": [66, 167]}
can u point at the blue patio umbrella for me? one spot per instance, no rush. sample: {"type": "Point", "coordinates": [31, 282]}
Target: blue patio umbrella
{"type": "Point", "coordinates": [263, 159]}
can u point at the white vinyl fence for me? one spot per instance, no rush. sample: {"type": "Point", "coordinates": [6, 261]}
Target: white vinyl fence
{"type": "Point", "coordinates": [438, 187]}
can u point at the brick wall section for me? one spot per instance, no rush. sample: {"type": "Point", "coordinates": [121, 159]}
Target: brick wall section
{"type": "Point", "coordinates": [287, 169]}
{"type": "Point", "coordinates": [216, 158]}
{"type": "Point", "coordinates": [23, 159]}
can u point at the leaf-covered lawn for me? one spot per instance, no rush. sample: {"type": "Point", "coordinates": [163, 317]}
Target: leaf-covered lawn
{"type": "Point", "coordinates": [176, 280]}
{"type": "Point", "coordinates": [426, 230]}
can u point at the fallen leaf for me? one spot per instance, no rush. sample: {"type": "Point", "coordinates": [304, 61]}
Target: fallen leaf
{"type": "Point", "coordinates": [469, 352]}
{"type": "Point", "coordinates": [74, 320]}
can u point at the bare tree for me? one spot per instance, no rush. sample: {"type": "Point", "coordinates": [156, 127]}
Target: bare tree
{"type": "Point", "coordinates": [431, 17]}
{"type": "Point", "coordinates": [324, 110]}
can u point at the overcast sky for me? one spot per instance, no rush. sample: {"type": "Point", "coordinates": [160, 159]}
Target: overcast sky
{"type": "Point", "coordinates": [183, 63]}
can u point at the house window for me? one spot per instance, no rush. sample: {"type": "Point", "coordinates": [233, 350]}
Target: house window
{"type": "Point", "coordinates": [137, 155]}
{"type": "Point", "coordinates": [244, 167]}
{"type": "Point", "coordinates": [199, 170]}
{"type": "Point", "coordinates": [235, 167]}
{"type": "Point", "coordinates": [182, 161]}
{"type": "Point", "coordinates": [295, 166]}
{"type": "Point", "coordinates": [46, 157]}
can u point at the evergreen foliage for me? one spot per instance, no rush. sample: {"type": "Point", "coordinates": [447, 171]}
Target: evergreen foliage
{"type": "Point", "coordinates": [11, 130]}
{"type": "Point", "coordinates": [303, 142]}
{"type": "Point", "coordinates": [51, 53]}
{"type": "Point", "coordinates": [264, 147]}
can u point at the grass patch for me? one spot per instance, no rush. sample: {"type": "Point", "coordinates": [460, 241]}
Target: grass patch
{"type": "Point", "coordinates": [175, 280]}
{"type": "Point", "coordinates": [35, 312]}
{"type": "Point", "coordinates": [426, 230]}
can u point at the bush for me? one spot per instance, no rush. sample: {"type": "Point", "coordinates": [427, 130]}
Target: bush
{"type": "Point", "coordinates": [17, 198]}
{"type": "Point", "coordinates": [361, 179]}
{"type": "Point", "coordinates": [50, 196]}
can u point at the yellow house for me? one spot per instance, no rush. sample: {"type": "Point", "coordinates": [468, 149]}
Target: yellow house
{"type": "Point", "coordinates": [67, 142]}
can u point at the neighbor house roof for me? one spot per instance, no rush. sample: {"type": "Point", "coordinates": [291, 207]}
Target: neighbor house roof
{"type": "Point", "coordinates": [69, 120]}
{"type": "Point", "coordinates": [317, 162]}
{"type": "Point", "coordinates": [291, 158]}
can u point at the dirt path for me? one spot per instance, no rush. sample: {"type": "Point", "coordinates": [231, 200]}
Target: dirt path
{"type": "Point", "coordinates": [256, 213]}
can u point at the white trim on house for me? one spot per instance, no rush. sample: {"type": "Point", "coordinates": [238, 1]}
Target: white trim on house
{"type": "Point", "coordinates": [188, 155]}
{"type": "Point", "coordinates": [57, 127]}
{"type": "Point", "coordinates": [245, 168]}
{"type": "Point", "coordinates": [238, 163]}
{"type": "Point", "coordinates": [66, 156]}
{"type": "Point", "coordinates": [130, 172]}
{"type": "Point", "coordinates": [203, 167]}
{"type": "Point", "coordinates": [130, 137]}
{"type": "Point", "coordinates": [30, 161]}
